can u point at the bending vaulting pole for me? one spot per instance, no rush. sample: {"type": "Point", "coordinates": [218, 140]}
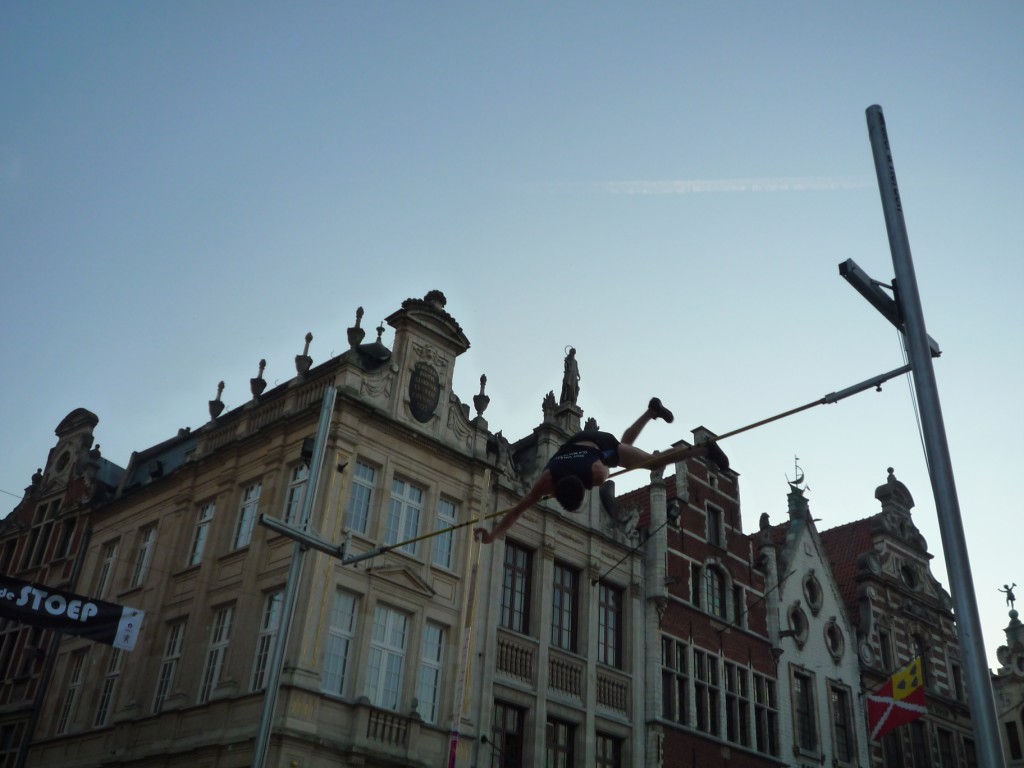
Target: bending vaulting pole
{"type": "Point", "coordinates": [940, 468]}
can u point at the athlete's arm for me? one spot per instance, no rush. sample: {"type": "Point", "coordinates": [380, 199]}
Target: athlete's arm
{"type": "Point", "coordinates": [543, 487]}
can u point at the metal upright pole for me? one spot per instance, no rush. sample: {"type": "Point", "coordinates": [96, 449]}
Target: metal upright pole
{"type": "Point", "coordinates": [940, 467]}
{"type": "Point", "coordinates": [292, 586]}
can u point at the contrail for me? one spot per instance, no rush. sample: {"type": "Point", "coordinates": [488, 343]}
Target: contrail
{"type": "Point", "coordinates": [703, 186]}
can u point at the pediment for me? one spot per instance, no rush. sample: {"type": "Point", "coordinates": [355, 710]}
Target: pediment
{"type": "Point", "coordinates": [405, 577]}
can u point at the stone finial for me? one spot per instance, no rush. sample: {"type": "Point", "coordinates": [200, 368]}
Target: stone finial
{"type": "Point", "coordinates": [304, 361]}
{"type": "Point", "coordinates": [257, 385]}
{"type": "Point", "coordinates": [481, 400]}
{"type": "Point", "coordinates": [356, 333]}
{"type": "Point", "coordinates": [380, 332]}
{"type": "Point", "coordinates": [216, 406]}
{"type": "Point", "coordinates": [548, 405]}
{"type": "Point", "coordinates": [591, 425]}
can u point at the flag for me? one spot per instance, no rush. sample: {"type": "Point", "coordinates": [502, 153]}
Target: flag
{"type": "Point", "coordinates": [898, 702]}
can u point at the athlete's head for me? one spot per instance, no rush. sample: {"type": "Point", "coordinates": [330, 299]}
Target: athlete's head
{"type": "Point", "coordinates": [570, 491]}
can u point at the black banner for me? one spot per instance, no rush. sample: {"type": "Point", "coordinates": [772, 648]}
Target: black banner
{"type": "Point", "coordinates": [51, 608]}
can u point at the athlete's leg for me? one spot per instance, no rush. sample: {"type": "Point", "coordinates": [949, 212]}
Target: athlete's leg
{"type": "Point", "coordinates": [655, 410]}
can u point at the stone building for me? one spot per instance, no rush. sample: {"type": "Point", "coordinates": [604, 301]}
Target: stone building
{"type": "Point", "coordinates": [900, 611]}
{"type": "Point", "coordinates": [1008, 685]}
{"type": "Point", "coordinates": [823, 717]}
{"type": "Point", "coordinates": [712, 680]}
{"type": "Point", "coordinates": [525, 652]}
{"type": "Point", "coordinates": [43, 541]}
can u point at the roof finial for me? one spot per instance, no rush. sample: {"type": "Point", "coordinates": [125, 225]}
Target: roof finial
{"type": "Point", "coordinates": [304, 361]}
{"type": "Point", "coordinates": [258, 384]}
{"type": "Point", "coordinates": [355, 333]}
{"type": "Point", "coordinates": [480, 401]}
{"type": "Point", "coordinates": [216, 406]}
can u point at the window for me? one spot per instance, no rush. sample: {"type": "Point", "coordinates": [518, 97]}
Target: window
{"type": "Point", "coordinates": [766, 715]}
{"type": "Point", "coordinates": [892, 750]}
{"type": "Point", "coordinates": [201, 533]}
{"type": "Point", "coordinates": [970, 753]}
{"type": "Point", "coordinates": [739, 605]}
{"type": "Point", "coordinates": [609, 625]}
{"type": "Point", "coordinates": [109, 688]}
{"type": "Point", "coordinates": [444, 543]}
{"type": "Point", "coordinates": [360, 498]}
{"type": "Point", "coordinates": [71, 693]}
{"type": "Point", "coordinates": [144, 555]}
{"type": "Point", "coordinates": [957, 675]}
{"type": "Point", "coordinates": [269, 626]}
{"type": "Point", "coordinates": [834, 639]}
{"type": "Point", "coordinates": [919, 745]}
{"type": "Point", "coordinates": [921, 649]}
{"type": "Point", "coordinates": [564, 607]}
{"type": "Point", "coordinates": [404, 514]}
{"type": "Point", "coordinates": [609, 751]}
{"type": "Point", "coordinates": [804, 722]}
{"type": "Point", "coordinates": [813, 593]}
{"type": "Point", "coordinates": [798, 625]}
{"type": "Point", "coordinates": [947, 756]}
{"type": "Point", "coordinates": [715, 586]}
{"type": "Point", "coordinates": [507, 735]}
{"type": "Point", "coordinates": [885, 650]}
{"type": "Point", "coordinates": [1013, 739]}
{"type": "Point", "coordinates": [108, 561]}
{"type": "Point", "coordinates": [387, 657]}
{"type": "Point", "coordinates": [737, 704]}
{"type": "Point", "coordinates": [716, 533]}
{"type": "Point", "coordinates": [220, 637]}
{"type": "Point", "coordinates": [10, 743]}
{"type": "Point", "coordinates": [339, 643]}
{"type": "Point", "coordinates": [560, 737]}
{"type": "Point", "coordinates": [706, 692]}
{"type": "Point", "coordinates": [169, 664]}
{"type": "Point", "coordinates": [843, 738]}
{"type": "Point", "coordinates": [696, 584]}
{"type": "Point", "coordinates": [515, 588]}
{"type": "Point", "coordinates": [247, 515]}
{"type": "Point", "coordinates": [293, 497]}
{"type": "Point", "coordinates": [67, 536]}
{"type": "Point", "coordinates": [675, 682]}
{"type": "Point", "coordinates": [428, 692]}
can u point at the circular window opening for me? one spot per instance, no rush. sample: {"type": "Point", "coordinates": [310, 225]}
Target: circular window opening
{"type": "Point", "coordinates": [834, 639]}
{"type": "Point", "coordinates": [812, 591]}
{"type": "Point", "coordinates": [798, 624]}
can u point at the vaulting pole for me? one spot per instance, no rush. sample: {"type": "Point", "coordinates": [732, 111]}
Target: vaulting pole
{"type": "Point", "coordinates": [940, 468]}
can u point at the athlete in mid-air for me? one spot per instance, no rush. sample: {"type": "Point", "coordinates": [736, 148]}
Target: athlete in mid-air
{"type": "Point", "coordinates": [582, 462]}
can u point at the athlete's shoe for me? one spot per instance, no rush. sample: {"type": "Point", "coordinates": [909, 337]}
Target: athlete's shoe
{"type": "Point", "coordinates": [660, 411]}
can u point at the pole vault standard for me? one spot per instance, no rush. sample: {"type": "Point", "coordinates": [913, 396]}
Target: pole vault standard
{"type": "Point", "coordinates": [909, 317]}
{"type": "Point", "coordinates": [301, 537]}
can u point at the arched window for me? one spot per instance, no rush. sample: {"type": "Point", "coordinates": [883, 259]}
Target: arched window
{"type": "Point", "coordinates": [715, 591]}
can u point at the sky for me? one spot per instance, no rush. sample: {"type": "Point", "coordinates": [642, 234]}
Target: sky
{"type": "Point", "coordinates": [189, 187]}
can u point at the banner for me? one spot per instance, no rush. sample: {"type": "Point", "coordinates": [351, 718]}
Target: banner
{"type": "Point", "coordinates": [898, 702]}
{"type": "Point", "coordinates": [41, 606]}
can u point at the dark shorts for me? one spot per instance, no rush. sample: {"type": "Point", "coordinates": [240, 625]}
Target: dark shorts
{"type": "Point", "coordinates": [576, 460]}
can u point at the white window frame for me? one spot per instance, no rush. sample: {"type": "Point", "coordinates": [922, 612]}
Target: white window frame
{"type": "Point", "coordinates": [247, 512]}
{"type": "Point", "coordinates": [220, 639]}
{"type": "Point", "coordinates": [444, 543]}
{"type": "Point", "coordinates": [270, 624]}
{"type": "Point", "coordinates": [201, 533]}
{"type": "Point", "coordinates": [298, 479]}
{"type": "Point", "coordinates": [71, 694]}
{"type": "Point", "coordinates": [144, 555]}
{"type": "Point", "coordinates": [360, 498]}
{"type": "Point", "coordinates": [107, 694]}
{"type": "Point", "coordinates": [107, 567]}
{"type": "Point", "coordinates": [169, 664]}
{"type": "Point", "coordinates": [405, 510]}
{"type": "Point", "coordinates": [428, 692]}
{"type": "Point", "coordinates": [340, 637]}
{"type": "Point", "coordinates": [386, 664]}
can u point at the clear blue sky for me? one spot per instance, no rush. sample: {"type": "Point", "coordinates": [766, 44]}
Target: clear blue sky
{"type": "Point", "coordinates": [186, 188]}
